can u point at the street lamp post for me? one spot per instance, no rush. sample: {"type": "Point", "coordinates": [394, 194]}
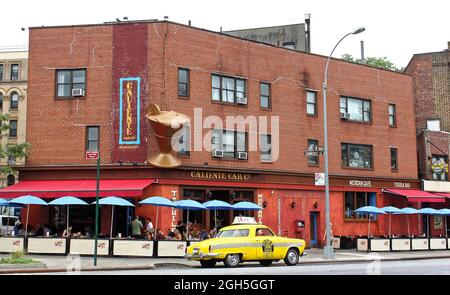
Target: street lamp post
{"type": "Point", "coordinates": [328, 252]}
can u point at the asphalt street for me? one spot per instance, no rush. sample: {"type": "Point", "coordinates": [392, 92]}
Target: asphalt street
{"type": "Point", "coordinates": [405, 267]}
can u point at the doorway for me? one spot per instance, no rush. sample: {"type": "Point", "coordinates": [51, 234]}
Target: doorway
{"type": "Point", "coordinates": [313, 229]}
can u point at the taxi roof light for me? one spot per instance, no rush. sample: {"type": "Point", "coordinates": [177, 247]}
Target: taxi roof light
{"type": "Point", "coordinates": [244, 220]}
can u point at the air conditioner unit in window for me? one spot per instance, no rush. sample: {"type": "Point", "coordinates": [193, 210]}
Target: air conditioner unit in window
{"type": "Point", "coordinates": [345, 116]}
{"type": "Point", "coordinates": [242, 155]}
{"type": "Point", "coordinates": [217, 153]}
{"type": "Point", "coordinates": [77, 92]}
{"type": "Point", "coordinates": [241, 100]}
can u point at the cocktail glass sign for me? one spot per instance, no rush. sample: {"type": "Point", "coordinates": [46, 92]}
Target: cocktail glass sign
{"type": "Point", "coordinates": [319, 179]}
{"type": "Point", "coordinates": [438, 166]}
{"type": "Point", "coordinates": [129, 122]}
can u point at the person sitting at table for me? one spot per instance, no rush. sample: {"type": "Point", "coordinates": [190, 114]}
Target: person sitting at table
{"type": "Point", "coordinates": [39, 231]}
{"type": "Point", "coordinates": [47, 231]}
{"type": "Point", "coordinates": [88, 232]}
{"type": "Point", "coordinates": [181, 228]}
{"type": "Point", "coordinates": [170, 234]}
{"type": "Point", "coordinates": [67, 233]}
{"type": "Point", "coordinates": [178, 235]}
{"type": "Point", "coordinates": [204, 235]}
{"type": "Point", "coordinates": [160, 234]}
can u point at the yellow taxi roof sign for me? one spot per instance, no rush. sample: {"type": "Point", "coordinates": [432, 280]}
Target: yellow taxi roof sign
{"type": "Point", "coordinates": [244, 220]}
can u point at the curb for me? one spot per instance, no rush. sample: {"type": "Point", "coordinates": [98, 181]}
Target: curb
{"type": "Point", "coordinates": [37, 265]}
{"type": "Point", "coordinates": [84, 269]}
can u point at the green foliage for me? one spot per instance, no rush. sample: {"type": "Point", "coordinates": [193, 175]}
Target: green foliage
{"type": "Point", "coordinates": [378, 62]}
{"type": "Point", "coordinates": [16, 150]}
{"type": "Point", "coordinates": [17, 258]}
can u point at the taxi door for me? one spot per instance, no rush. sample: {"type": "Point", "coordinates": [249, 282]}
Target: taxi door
{"type": "Point", "coordinates": [265, 240]}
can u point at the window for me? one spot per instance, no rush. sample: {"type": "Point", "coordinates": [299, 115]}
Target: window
{"type": "Point", "coordinates": [227, 89]}
{"type": "Point", "coordinates": [434, 125]}
{"type": "Point", "coordinates": [263, 232]}
{"type": "Point", "coordinates": [394, 160]}
{"type": "Point", "coordinates": [439, 167]}
{"type": "Point", "coordinates": [355, 200]}
{"type": "Point", "coordinates": [11, 160]}
{"type": "Point", "coordinates": [183, 82]}
{"type": "Point", "coordinates": [184, 145]}
{"type": "Point", "coordinates": [392, 115]}
{"type": "Point", "coordinates": [229, 142]}
{"type": "Point", "coordinates": [10, 180]}
{"type": "Point", "coordinates": [195, 216]}
{"type": "Point", "coordinates": [1, 101]}
{"type": "Point", "coordinates": [266, 148]}
{"type": "Point", "coordinates": [1, 71]}
{"type": "Point", "coordinates": [14, 72]}
{"type": "Point", "coordinates": [13, 128]}
{"type": "Point", "coordinates": [311, 103]}
{"type": "Point", "coordinates": [265, 95]}
{"type": "Point", "coordinates": [14, 101]}
{"type": "Point", "coordinates": [355, 109]}
{"type": "Point", "coordinates": [356, 156]}
{"type": "Point", "coordinates": [92, 138]}
{"type": "Point", "coordinates": [313, 160]}
{"type": "Point", "coordinates": [67, 80]}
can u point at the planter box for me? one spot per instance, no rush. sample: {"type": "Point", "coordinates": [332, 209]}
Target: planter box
{"type": "Point", "coordinates": [336, 243]}
{"type": "Point", "coordinates": [362, 244]}
{"type": "Point", "coordinates": [47, 245]}
{"type": "Point", "coordinates": [86, 246]}
{"type": "Point", "coordinates": [142, 248]}
{"type": "Point", "coordinates": [438, 244]}
{"type": "Point", "coordinates": [171, 248]}
{"type": "Point", "coordinates": [401, 244]}
{"type": "Point", "coordinates": [419, 244]}
{"type": "Point", "coordinates": [380, 245]}
{"type": "Point", "coordinates": [8, 245]}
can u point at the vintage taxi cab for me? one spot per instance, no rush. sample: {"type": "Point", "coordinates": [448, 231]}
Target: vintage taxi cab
{"type": "Point", "coordinates": [246, 241]}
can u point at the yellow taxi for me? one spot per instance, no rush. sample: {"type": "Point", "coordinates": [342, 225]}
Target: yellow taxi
{"type": "Point", "coordinates": [246, 241]}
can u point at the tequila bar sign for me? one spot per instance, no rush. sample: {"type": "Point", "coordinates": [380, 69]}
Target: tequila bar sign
{"type": "Point", "coordinates": [129, 123]}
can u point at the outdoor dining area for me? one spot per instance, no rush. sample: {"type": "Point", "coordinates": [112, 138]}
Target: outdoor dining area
{"type": "Point", "coordinates": [407, 242]}
{"type": "Point", "coordinates": [152, 245]}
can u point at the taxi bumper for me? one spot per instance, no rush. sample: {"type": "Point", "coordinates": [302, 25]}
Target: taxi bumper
{"type": "Point", "coordinates": [200, 255]}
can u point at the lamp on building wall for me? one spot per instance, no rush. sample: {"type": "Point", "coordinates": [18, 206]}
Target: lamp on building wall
{"type": "Point", "coordinates": [293, 204]}
{"type": "Point", "coordinates": [328, 251]}
{"type": "Point", "coordinates": [264, 204]}
{"type": "Point", "coordinates": [316, 205]}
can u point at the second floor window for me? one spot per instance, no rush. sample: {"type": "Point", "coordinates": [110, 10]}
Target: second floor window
{"type": "Point", "coordinates": [356, 156]}
{"type": "Point", "coordinates": [313, 160]}
{"type": "Point", "coordinates": [1, 72]}
{"type": "Point", "coordinates": [14, 101]}
{"type": "Point", "coordinates": [183, 82]}
{"type": "Point", "coordinates": [1, 101]}
{"type": "Point", "coordinates": [311, 103]}
{"type": "Point", "coordinates": [265, 95]}
{"type": "Point", "coordinates": [392, 115]}
{"type": "Point", "coordinates": [14, 72]}
{"type": "Point", "coordinates": [434, 125]}
{"type": "Point", "coordinates": [266, 148]}
{"type": "Point", "coordinates": [13, 128]}
{"type": "Point", "coordinates": [231, 143]}
{"type": "Point", "coordinates": [92, 138]}
{"type": "Point", "coordinates": [355, 109]}
{"type": "Point", "coordinates": [228, 89]}
{"type": "Point", "coordinates": [70, 83]}
{"type": "Point", "coordinates": [184, 145]}
{"type": "Point", "coordinates": [394, 159]}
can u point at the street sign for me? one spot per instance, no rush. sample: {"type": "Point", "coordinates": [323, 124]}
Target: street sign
{"type": "Point", "coordinates": [319, 179]}
{"type": "Point", "coordinates": [315, 151]}
{"type": "Point", "coordinates": [92, 155]}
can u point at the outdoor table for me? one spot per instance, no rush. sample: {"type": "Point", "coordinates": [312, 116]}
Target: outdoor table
{"type": "Point", "coordinates": [438, 244]}
{"type": "Point", "coordinates": [419, 244]}
{"type": "Point", "coordinates": [86, 246]}
{"type": "Point", "coordinates": [401, 244]}
{"type": "Point", "coordinates": [11, 244]}
{"type": "Point", "coordinates": [129, 247]}
{"type": "Point", "coordinates": [173, 248]}
{"type": "Point", "coordinates": [380, 244]}
{"type": "Point", "coordinates": [47, 245]}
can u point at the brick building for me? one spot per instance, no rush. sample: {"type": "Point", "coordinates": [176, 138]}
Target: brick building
{"type": "Point", "coordinates": [77, 77]}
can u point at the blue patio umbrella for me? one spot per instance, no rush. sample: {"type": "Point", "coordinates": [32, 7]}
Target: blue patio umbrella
{"type": "Point", "coordinates": [189, 205]}
{"type": "Point", "coordinates": [3, 202]}
{"type": "Point", "coordinates": [407, 211]}
{"type": "Point", "coordinates": [370, 210]}
{"type": "Point", "coordinates": [159, 202]}
{"type": "Point", "coordinates": [113, 201]}
{"type": "Point", "coordinates": [445, 212]}
{"type": "Point", "coordinates": [246, 206]}
{"type": "Point", "coordinates": [390, 210]}
{"type": "Point", "coordinates": [28, 200]}
{"type": "Point", "coordinates": [66, 201]}
{"type": "Point", "coordinates": [217, 205]}
{"type": "Point", "coordinates": [428, 212]}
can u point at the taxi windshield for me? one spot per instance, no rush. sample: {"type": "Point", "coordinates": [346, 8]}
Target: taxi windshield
{"type": "Point", "coordinates": [233, 233]}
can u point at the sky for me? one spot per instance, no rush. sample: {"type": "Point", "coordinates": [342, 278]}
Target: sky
{"type": "Point", "coordinates": [395, 29]}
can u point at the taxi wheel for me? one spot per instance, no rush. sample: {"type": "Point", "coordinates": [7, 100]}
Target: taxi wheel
{"type": "Point", "coordinates": [291, 257]}
{"type": "Point", "coordinates": [208, 263]}
{"type": "Point", "coordinates": [265, 262]}
{"type": "Point", "coordinates": [232, 260]}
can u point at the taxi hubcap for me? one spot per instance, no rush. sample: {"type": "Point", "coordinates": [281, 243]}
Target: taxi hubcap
{"type": "Point", "coordinates": [233, 259]}
{"type": "Point", "coordinates": [292, 256]}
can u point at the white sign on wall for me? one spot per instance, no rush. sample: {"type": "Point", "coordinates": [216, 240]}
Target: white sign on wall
{"type": "Point", "coordinates": [319, 179]}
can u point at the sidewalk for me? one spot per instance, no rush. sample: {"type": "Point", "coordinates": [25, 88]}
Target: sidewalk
{"type": "Point", "coordinates": [313, 256]}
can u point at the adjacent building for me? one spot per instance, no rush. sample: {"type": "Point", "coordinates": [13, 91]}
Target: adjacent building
{"type": "Point", "coordinates": [13, 101]}
{"type": "Point", "coordinates": [91, 86]}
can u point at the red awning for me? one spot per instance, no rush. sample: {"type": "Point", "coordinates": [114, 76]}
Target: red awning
{"type": "Point", "coordinates": [416, 195]}
{"type": "Point", "coordinates": [76, 188]}
{"type": "Point", "coordinates": [447, 195]}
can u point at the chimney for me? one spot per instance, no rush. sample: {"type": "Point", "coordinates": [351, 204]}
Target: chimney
{"type": "Point", "coordinates": [362, 51]}
{"type": "Point", "coordinates": [448, 45]}
{"type": "Point", "coordinates": [308, 32]}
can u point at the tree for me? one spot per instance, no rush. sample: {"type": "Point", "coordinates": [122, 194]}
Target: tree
{"type": "Point", "coordinates": [378, 62]}
{"type": "Point", "coordinates": [15, 151]}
